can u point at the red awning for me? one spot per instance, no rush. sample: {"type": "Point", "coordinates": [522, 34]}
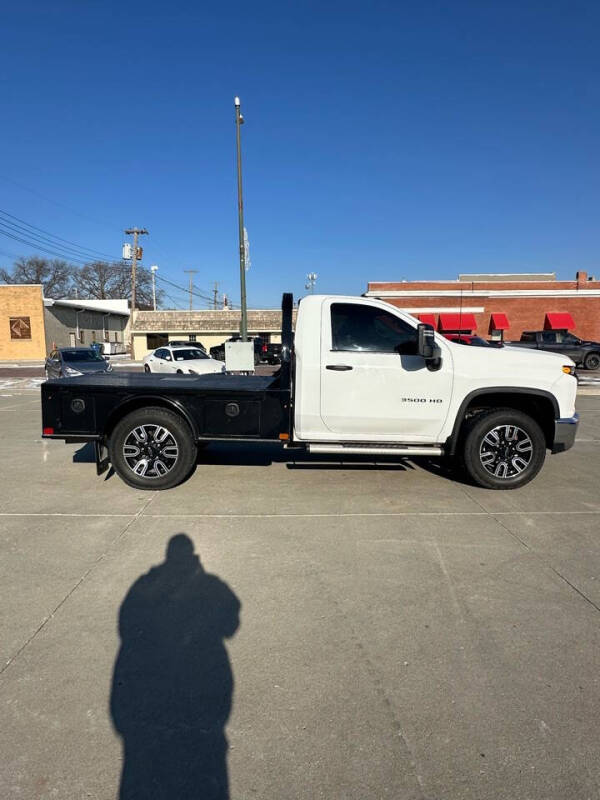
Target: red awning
{"type": "Point", "coordinates": [428, 319]}
{"type": "Point", "coordinates": [457, 322]}
{"type": "Point", "coordinates": [559, 321]}
{"type": "Point", "coordinates": [499, 322]}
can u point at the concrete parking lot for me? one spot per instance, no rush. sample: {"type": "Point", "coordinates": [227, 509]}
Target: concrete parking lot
{"type": "Point", "coordinates": [298, 629]}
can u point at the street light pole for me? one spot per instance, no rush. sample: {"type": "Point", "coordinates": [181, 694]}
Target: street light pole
{"type": "Point", "coordinates": [153, 269]}
{"type": "Point", "coordinates": [239, 121]}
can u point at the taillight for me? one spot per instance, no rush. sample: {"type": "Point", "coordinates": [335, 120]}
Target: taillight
{"type": "Point", "coordinates": [264, 348]}
{"type": "Point", "coordinates": [47, 431]}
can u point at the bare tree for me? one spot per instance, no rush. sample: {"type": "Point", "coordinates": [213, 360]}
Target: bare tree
{"type": "Point", "coordinates": [105, 280]}
{"type": "Point", "coordinates": [55, 275]}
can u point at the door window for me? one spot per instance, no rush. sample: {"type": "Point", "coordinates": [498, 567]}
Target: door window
{"type": "Point", "coordinates": [369, 329]}
{"type": "Point", "coordinates": [549, 337]}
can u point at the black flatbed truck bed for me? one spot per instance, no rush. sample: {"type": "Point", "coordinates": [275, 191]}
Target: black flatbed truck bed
{"type": "Point", "coordinates": [216, 406]}
{"type": "Point", "coordinates": [159, 420]}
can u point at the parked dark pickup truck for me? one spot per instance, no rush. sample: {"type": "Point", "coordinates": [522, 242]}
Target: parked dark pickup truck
{"type": "Point", "coordinates": [584, 354]}
{"type": "Point", "coordinates": [271, 353]}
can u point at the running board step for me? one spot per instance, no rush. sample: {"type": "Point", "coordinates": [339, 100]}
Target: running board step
{"type": "Point", "coordinates": [381, 449]}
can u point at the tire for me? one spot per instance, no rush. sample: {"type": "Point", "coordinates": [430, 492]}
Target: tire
{"type": "Point", "coordinates": [503, 449]}
{"type": "Point", "coordinates": [171, 459]}
{"type": "Point", "coordinates": [179, 372]}
{"type": "Point", "coordinates": [592, 361]}
{"type": "Point", "coordinates": [147, 368]}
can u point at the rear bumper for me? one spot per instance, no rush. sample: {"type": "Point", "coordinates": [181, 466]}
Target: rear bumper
{"type": "Point", "coordinates": [564, 433]}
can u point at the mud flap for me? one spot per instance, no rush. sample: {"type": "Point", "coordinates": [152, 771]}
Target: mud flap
{"type": "Point", "coordinates": [102, 460]}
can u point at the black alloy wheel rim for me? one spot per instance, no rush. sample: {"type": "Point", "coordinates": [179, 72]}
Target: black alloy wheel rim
{"type": "Point", "coordinates": [506, 451]}
{"type": "Point", "coordinates": [150, 451]}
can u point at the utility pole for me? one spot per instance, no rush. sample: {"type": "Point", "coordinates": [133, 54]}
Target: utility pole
{"type": "Point", "coordinates": [153, 270]}
{"type": "Point", "coordinates": [239, 121]}
{"type": "Point", "coordinates": [134, 257]}
{"type": "Point", "coordinates": [215, 295]}
{"type": "Point", "coordinates": [191, 273]}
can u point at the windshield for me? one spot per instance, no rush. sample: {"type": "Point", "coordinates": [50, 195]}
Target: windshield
{"type": "Point", "coordinates": [188, 355]}
{"type": "Point", "coordinates": [81, 355]}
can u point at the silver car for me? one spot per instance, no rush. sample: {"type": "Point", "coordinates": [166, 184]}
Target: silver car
{"type": "Point", "coordinates": [66, 362]}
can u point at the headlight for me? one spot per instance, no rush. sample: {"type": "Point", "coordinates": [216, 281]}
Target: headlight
{"type": "Point", "coordinates": [72, 372]}
{"type": "Point", "coordinates": [568, 369]}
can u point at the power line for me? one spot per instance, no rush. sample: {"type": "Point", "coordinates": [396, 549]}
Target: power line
{"type": "Point", "coordinates": [113, 228]}
{"type": "Point", "coordinates": [38, 246]}
{"type": "Point", "coordinates": [71, 252]}
{"type": "Point", "coordinates": [183, 289]}
{"type": "Point", "coordinates": [54, 236]}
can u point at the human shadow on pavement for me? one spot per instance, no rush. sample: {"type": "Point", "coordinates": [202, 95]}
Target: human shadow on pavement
{"type": "Point", "coordinates": [173, 684]}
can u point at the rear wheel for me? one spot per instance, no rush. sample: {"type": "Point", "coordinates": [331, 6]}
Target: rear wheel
{"type": "Point", "coordinates": [592, 361]}
{"type": "Point", "coordinates": [146, 368]}
{"type": "Point", "coordinates": [152, 448]}
{"type": "Point", "coordinates": [503, 449]}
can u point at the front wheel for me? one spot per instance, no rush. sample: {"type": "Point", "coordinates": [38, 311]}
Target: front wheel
{"type": "Point", "coordinates": [152, 448]}
{"type": "Point", "coordinates": [146, 368]}
{"type": "Point", "coordinates": [503, 449]}
{"type": "Point", "coordinates": [592, 361]}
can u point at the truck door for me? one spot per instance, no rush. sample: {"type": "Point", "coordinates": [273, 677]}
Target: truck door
{"type": "Point", "coordinates": [373, 385]}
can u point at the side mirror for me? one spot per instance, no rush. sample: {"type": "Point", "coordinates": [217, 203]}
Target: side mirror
{"type": "Point", "coordinates": [427, 347]}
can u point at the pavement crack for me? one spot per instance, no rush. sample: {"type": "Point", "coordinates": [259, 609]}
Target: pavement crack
{"type": "Point", "coordinates": [77, 584]}
{"type": "Point", "coordinates": [536, 555]}
{"type": "Point", "coordinates": [575, 589]}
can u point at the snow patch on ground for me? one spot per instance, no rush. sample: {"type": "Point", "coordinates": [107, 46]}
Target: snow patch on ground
{"type": "Point", "coordinates": [28, 384]}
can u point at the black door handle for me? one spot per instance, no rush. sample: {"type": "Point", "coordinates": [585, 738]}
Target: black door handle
{"type": "Point", "coordinates": [338, 367]}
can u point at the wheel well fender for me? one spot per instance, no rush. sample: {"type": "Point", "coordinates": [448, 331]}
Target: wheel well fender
{"type": "Point", "coordinates": [144, 402]}
{"type": "Point", "coordinates": [542, 406]}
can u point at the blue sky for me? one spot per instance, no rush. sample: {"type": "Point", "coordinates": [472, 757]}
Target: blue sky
{"type": "Point", "coordinates": [383, 140]}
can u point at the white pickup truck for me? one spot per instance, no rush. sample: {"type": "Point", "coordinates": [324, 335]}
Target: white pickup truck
{"type": "Point", "coordinates": [359, 377]}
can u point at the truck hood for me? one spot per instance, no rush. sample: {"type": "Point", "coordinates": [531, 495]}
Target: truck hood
{"type": "Point", "coordinates": [506, 364]}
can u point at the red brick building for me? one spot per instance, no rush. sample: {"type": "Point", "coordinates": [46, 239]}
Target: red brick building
{"type": "Point", "coordinates": [512, 302]}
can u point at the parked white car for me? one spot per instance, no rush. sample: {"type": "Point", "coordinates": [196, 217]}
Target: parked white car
{"type": "Point", "coordinates": [183, 360]}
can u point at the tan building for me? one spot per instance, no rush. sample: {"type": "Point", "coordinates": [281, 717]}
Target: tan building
{"type": "Point", "coordinates": [31, 325]}
{"type": "Point", "coordinates": [153, 329]}
{"type": "Point", "coordinates": [22, 328]}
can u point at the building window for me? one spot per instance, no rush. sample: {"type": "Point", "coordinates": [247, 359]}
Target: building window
{"type": "Point", "coordinates": [192, 337]}
{"type": "Point", "coordinates": [20, 327]}
{"type": "Point", "coordinates": [154, 340]}
{"type": "Point", "coordinates": [93, 336]}
{"type": "Point", "coordinates": [81, 336]}
{"type": "Point", "coordinates": [116, 336]}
